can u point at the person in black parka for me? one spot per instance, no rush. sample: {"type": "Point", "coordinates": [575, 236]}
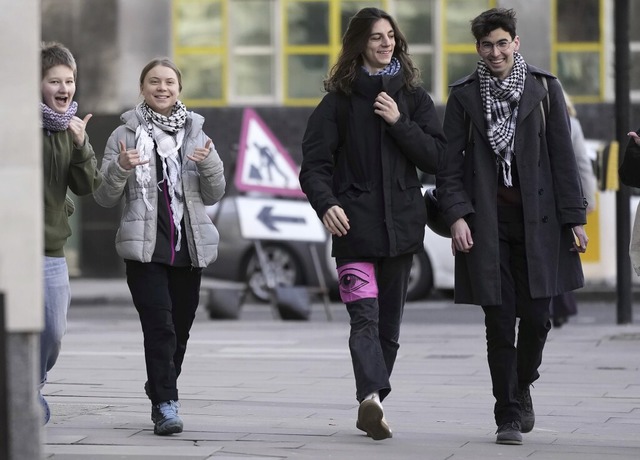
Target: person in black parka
{"type": "Point", "coordinates": [361, 150]}
{"type": "Point", "coordinates": [510, 190]}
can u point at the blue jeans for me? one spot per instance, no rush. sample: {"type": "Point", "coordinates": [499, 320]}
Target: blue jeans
{"type": "Point", "coordinates": [57, 296]}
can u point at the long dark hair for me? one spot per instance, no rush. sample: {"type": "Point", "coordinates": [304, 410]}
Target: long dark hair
{"type": "Point", "coordinates": [354, 43]}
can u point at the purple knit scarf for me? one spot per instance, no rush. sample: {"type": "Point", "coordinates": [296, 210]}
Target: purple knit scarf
{"type": "Point", "coordinates": [53, 121]}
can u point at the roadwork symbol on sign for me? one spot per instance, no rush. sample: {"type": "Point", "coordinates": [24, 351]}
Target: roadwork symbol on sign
{"type": "Point", "coordinates": [263, 164]}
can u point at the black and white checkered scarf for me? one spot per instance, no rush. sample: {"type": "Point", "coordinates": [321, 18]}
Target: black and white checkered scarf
{"type": "Point", "coordinates": [168, 134]}
{"type": "Point", "coordinates": [500, 100]}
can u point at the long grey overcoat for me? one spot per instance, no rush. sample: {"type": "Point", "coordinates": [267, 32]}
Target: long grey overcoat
{"type": "Point", "coordinates": [552, 196]}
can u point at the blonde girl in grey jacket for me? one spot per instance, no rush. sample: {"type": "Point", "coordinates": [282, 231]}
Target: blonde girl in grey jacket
{"type": "Point", "coordinates": [166, 170]}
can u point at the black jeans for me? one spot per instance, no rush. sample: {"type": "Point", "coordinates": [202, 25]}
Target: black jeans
{"type": "Point", "coordinates": [375, 326]}
{"type": "Point", "coordinates": [514, 366]}
{"type": "Point", "coordinates": [166, 299]}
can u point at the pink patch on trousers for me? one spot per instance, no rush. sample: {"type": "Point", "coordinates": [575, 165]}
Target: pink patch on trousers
{"type": "Point", "coordinates": [357, 281]}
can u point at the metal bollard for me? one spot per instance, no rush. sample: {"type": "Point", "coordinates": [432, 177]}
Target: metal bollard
{"type": "Point", "coordinates": [4, 402]}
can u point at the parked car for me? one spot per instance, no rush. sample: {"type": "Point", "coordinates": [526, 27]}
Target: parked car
{"type": "Point", "coordinates": [292, 262]}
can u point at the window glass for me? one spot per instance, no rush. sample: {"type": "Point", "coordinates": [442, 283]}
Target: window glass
{"type": "Point", "coordinates": [634, 74]}
{"type": "Point", "coordinates": [460, 65]}
{"type": "Point", "coordinates": [634, 31]}
{"type": "Point", "coordinates": [578, 20]}
{"type": "Point", "coordinates": [308, 23]}
{"type": "Point", "coordinates": [459, 16]}
{"type": "Point", "coordinates": [348, 9]}
{"type": "Point", "coordinates": [306, 74]}
{"type": "Point", "coordinates": [415, 19]}
{"type": "Point", "coordinates": [424, 62]}
{"type": "Point", "coordinates": [579, 72]}
{"type": "Point", "coordinates": [201, 76]}
{"type": "Point", "coordinates": [252, 22]}
{"type": "Point", "coordinates": [199, 23]}
{"type": "Point", "coordinates": [253, 75]}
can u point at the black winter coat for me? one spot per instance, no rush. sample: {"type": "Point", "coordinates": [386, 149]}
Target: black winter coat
{"type": "Point", "coordinates": [373, 177]}
{"type": "Point", "coordinates": [552, 198]}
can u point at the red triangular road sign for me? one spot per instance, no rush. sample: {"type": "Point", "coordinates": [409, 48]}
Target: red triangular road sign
{"type": "Point", "coordinates": [263, 164]}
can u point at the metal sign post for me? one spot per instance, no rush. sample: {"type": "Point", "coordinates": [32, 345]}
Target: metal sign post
{"type": "Point", "coordinates": [4, 394]}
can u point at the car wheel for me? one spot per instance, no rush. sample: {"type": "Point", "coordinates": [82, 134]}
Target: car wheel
{"type": "Point", "coordinates": [282, 263]}
{"type": "Point", "coordinates": [420, 278]}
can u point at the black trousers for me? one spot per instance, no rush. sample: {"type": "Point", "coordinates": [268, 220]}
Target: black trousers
{"type": "Point", "coordinates": [166, 299]}
{"type": "Point", "coordinates": [375, 326]}
{"type": "Point", "coordinates": [514, 365]}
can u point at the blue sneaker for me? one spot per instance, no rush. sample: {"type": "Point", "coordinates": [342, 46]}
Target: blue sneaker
{"type": "Point", "coordinates": [165, 418]}
{"type": "Point", "coordinates": [45, 408]}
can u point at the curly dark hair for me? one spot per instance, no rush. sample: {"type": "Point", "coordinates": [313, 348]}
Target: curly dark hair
{"type": "Point", "coordinates": [354, 43]}
{"type": "Point", "coordinates": [495, 18]}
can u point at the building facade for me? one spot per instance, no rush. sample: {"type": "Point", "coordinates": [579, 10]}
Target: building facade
{"type": "Point", "coordinates": [272, 56]}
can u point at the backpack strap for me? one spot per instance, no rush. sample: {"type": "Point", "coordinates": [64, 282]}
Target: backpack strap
{"type": "Point", "coordinates": [544, 104]}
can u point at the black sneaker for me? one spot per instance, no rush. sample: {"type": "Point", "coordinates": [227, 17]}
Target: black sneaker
{"type": "Point", "coordinates": [527, 415]}
{"type": "Point", "coordinates": [509, 433]}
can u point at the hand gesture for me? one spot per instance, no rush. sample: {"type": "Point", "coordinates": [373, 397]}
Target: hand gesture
{"type": "Point", "coordinates": [129, 159]}
{"type": "Point", "coordinates": [387, 108]}
{"type": "Point", "coordinates": [633, 135]}
{"type": "Point", "coordinates": [336, 221]}
{"type": "Point", "coordinates": [200, 153]}
{"type": "Point", "coordinates": [581, 240]}
{"type": "Point", "coordinates": [77, 128]}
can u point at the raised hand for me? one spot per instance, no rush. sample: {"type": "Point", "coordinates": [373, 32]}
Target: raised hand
{"type": "Point", "coordinates": [633, 135]}
{"type": "Point", "coordinates": [387, 108]}
{"type": "Point", "coordinates": [129, 159]}
{"type": "Point", "coordinates": [77, 128]}
{"type": "Point", "coordinates": [200, 153]}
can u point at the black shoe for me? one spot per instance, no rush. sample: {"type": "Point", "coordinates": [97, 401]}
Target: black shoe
{"type": "Point", "coordinates": [527, 415]}
{"type": "Point", "coordinates": [371, 420]}
{"type": "Point", "coordinates": [509, 433]}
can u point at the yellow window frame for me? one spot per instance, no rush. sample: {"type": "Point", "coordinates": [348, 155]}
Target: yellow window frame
{"type": "Point", "coordinates": [580, 47]}
{"type": "Point", "coordinates": [179, 51]}
{"type": "Point", "coordinates": [331, 49]}
{"type": "Point", "coordinates": [453, 48]}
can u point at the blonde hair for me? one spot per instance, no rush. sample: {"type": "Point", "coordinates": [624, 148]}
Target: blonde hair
{"type": "Point", "coordinates": [570, 107]}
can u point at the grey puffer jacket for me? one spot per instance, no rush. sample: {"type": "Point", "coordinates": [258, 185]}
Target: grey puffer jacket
{"type": "Point", "coordinates": [203, 185]}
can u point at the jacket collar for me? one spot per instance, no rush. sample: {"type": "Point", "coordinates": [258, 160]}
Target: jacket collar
{"type": "Point", "coordinates": [469, 95]}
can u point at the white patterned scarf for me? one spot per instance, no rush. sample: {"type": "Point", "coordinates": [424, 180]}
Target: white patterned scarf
{"type": "Point", "coordinates": [500, 100]}
{"type": "Point", "coordinates": [166, 134]}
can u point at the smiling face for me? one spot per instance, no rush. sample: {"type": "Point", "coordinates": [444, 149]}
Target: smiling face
{"type": "Point", "coordinates": [160, 89]}
{"type": "Point", "coordinates": [58, 87]}
{"type": "Point", "coordinates": [496, 50]}
{"type": "Point", "coordinates": [379, 51]}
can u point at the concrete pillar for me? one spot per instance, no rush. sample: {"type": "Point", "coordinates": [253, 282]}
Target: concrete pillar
{"type": "Point", "coordinates": [22, 229]}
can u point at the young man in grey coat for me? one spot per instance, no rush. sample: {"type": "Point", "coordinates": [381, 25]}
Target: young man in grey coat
{"type": "Point", "coordinates": [510, 190]}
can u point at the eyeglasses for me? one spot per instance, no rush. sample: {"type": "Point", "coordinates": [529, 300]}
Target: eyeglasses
{"type": "Point", "coordinates": [502, 45]}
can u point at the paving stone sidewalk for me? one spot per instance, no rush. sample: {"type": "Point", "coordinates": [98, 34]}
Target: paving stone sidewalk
{"type": "Point", "coordinates": [267, 389]}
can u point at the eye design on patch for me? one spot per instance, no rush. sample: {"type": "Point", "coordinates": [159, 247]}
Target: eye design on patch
{"type": "Point", "coordinates": [351, 280]}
